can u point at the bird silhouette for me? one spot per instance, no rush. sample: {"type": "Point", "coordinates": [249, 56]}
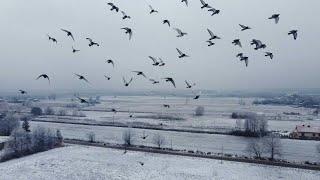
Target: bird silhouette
{"type": "Point", "coordinates": [210, 43]}
{"type": "Point", "coordinates": [128, 31]}
{"type": "Point", "coordinates": [114, 110]}
{"type": "Point", "coordinates": [74, 50]}
{"type": "Point", "coordinates": [204, 4]}
{"type": "Point", "coordinates": [152, 10]}
{"type": "Point", "coordinates": [269, 54]}
{"type": "Point", "coordinates": [154, 81]}
{"type": "Point", "coordinates": [140, 73]}
{"type": "Point", "coordinates": [92, 43]}
{"type": "Point", "coordinates": [169, 79]}
{"type": "Point", "coordinates": [110, 61]}
{"type": "Point", "coordinates": [243, 27]}
{"type": "Point", "coordinates": [186, 1]}
{"type": "Point", "coordinates": [107, 77]}
{"type": "Point", "coordinates": [294, 33]}
{"type": "Point", "coordinates": [144, 136]}
{"type": "Point", "coordinates": [180, 33]}
{"type": "Point", "coordinates": [126, 83]}
{"type": "Point", "coordinates": [166, 21]}
{"type": "Point", "coordinates": [166, 105]}
{"type": "Point", "coordinates": [52, 39]}
{"type": "Point", "coordinates": [189, 86]}
{"type": "Point", "coordinates": [155, 62]}
{"type": "Point", "coordinates": [125, 16]}
{"type": "Point", "coordinates": [214, 11]}
{"type": "Point", "coordinates": [197, 97]}
{"type": "Point", "coordinates": [239, 55]}
{"type": "Point", "coordinates": [212, 36]}
{"type": "Point", "coordinates": [237, 42]}
{"type": "Point", "coordinates": [245, 59]}
{"type": "Point", "coordinates": [141, 163]}
{"type": "Point", "coordinates": [125, 151]}
{"type": "Point", "coordinates": [44, 76]}
{"type": "Point", "coordinates": [82, 77]}
{"type": "Point", "coordinates": [161, 63]}
{"type": "Point", "coordinates": [68, 33]}
{"type": "Point", "coordinates": [276, 18]}
{"type": "Point", "coordinates": [82, 100]}
{"type": "Point", "coordinates": [181, 54]}
{"type": "Point", "coordinates": [258, 43]}
{"type": "Point", "coordinates": [22, 91]}
{"type": "Point", "coordinates": [113, 7]}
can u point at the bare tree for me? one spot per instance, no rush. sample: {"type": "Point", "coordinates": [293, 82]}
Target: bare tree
{"type": "Point", "coordinates": [127, 137]}
{"type": "Point", "coordinates": [272, 145]}
{"type": "Point", "coordinates": [91, 137]}
{"type": "Point", "coordinates": [255, 124]}
{"type": "Point", "coordinates": [158, 140]}
{"type": "Point", "coordinates": [255, 147]}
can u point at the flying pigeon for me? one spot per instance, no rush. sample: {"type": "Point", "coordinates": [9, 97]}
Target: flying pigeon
{"type": "Point", "coordinates": [68, 33]}
{"type": "Point", "coordinates": [181, 54]}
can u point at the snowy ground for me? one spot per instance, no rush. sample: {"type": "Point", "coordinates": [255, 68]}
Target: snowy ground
{"type": "Point", "coordinates": [217, 112]}
{"type": "Point", "coordinates": [4, 138]}
{"type": "Point", "coordinates": [293, 150]}
{"type": "Point", "coordinates": [84, 163]}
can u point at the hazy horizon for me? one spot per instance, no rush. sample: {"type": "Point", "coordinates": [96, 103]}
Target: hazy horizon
{"type": "Point", "coordinates": [26, 52]}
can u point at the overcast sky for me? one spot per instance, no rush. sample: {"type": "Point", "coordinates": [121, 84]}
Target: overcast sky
{"type": "Point", "coordinates": [25, 51]}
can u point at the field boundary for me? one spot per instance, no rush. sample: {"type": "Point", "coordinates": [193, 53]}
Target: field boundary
{"type": "Point", "coordinates": [134, 127]}
{"type": "Point", "coordinates": [192, 154]}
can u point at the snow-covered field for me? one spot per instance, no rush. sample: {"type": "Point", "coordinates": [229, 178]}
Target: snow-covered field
{"type": "Point", "coordinates": [293, 150]}
{"type": "Point", "coordinates": [87, 163]}
{"type": "Point", "coordinates": [216, 116]}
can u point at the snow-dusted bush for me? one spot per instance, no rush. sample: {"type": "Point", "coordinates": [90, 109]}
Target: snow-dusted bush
{"type": "Point", "coordinates": [22, 143]}
{"type": "Point", "coordinates": [199, 111]}
{"type": "Point", "coordinates": [36, 111]}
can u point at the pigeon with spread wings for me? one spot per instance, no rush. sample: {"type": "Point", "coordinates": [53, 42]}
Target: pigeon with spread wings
{"type": "Point", "coordinates": [92, 43]}
{"type": "Point", "coordinates": [82, 77]}
{"type": "Point", "coordinates": [68, 33]}
{"type": "Point", "coordinates": [45, 76]}
{"type": "Point", "coordinates": [169, 79]}
{"type": "Point", "coordinates": [126, 83]}
{"type": "Point", "coordinates": [181, 54]}
{"type": "Point", "coordinates": [128, 31]}
{"type": "Point", "coordinates": [212, 36]}
{"type": "Point", "coordinates": [276, 18]}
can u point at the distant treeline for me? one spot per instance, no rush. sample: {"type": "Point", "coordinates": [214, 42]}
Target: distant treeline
{"type": "Point", "coordinates": [292, 100]}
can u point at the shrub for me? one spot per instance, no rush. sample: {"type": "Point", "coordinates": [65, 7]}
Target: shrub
{"type": "Point", "coordinates": [62, 112]}
{"type": "Point", "coordinates": [49, 111]}
{"type": "Point", "coordinates": [199, 111]}
{"type": "Point", "coordinates": [8, 123]}
{"type": "Point", "coordinates": [36, 111]}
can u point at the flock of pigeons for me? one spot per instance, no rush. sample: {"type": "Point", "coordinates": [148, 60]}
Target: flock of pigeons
{"type": "Point", "coordinates": [158, 61]}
